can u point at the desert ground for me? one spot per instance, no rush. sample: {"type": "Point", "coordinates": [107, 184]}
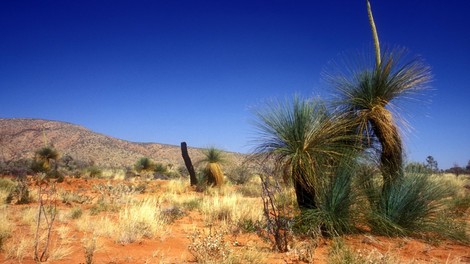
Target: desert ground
{"type": "Point", "coordinates": [167, 221]}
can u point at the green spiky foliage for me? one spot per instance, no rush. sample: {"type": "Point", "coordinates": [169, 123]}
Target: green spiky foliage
{"type": "Point", "coordinates": [409, 206]}
{"type": "Point", "coordinates": [43, 158]}
{"type": "Point", "coordinates": [368, 96]}
{"type": "Point", "coordinates": [304, 139]}
{"type": "Point", "coordinates": [368, 93]}
{"type": "Point", "coordinates": [335, 198]}
{"type": "Point", "coordinates": [144, 164]}
{"type": "Point", "coordinates": [213, 158]}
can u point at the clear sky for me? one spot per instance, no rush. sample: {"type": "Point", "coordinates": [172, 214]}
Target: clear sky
{"type": "Point", "coordinates": [172, 71]}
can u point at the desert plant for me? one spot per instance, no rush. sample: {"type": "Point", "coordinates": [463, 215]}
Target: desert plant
{"type": "Point", "coordinates": [43, 159]}
{"type": "Point", "coordinates": [335, 199]}
{"type": "Point", "coordinates": [409, 205]}
{"type": "Point", "coordinates": [277, 212]}
{"type": "Point", "coordinates": [213, 158]}
{"type": "Point", "coordinates": [144, 164]}
{"type": "Point", "coordinates": [304, 139]}
{"type": "Point", "coordinates": [230, 208]}
{"type": "Point", "coordinates": [368, 93]}
{"type": "Point", "coordinates": [89, 246]}
{"type": "Point", "coordinates": [141, 220]}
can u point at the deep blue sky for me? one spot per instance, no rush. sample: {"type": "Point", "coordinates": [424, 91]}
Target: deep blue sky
{"type": "Point", "coordinates": [172, 71]}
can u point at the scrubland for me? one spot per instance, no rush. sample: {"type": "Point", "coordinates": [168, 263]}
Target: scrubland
{"type": "Point", "coordinates": [113, 220]}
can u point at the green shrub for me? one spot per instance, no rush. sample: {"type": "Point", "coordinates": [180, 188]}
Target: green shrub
{"type": "Point", "coordinates": [408, 207]}
{"type": "Point", "coordinates": [335, 197]}
{"type": "Point", "coordinates": [144, 164]}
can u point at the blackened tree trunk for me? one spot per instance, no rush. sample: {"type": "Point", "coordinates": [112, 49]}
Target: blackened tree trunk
{"type": "Point", "coordinates": [305, 197]}
{"type": "Point", "coordinates": [188, 163]}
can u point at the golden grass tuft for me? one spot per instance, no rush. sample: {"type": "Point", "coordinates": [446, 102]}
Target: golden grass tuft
{"type": "Point", "coordinates": [232, 208]}
{"type": "Point", "coordinates": [141, 220]}
{"type": "Point", "coordinates": [215, 175]}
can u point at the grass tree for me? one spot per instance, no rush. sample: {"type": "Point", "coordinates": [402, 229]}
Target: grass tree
{"type": "Point", "coordinates": [368, 94]}
{"type": "Point", "coordinates": [304, 139]}
{"type": "Point", "coordinates": [44, 157]}
{"type": "Point", "coordinates": [213, 158]}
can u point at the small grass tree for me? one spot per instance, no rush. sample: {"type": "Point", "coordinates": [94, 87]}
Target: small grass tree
{"type": "Point", "coordinates": [213, 158]}
{"type": "Point", "coordinates": [303, 139]}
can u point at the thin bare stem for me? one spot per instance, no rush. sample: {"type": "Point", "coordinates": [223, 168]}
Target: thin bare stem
{"type": "Point", "coordinates": [374, 35]}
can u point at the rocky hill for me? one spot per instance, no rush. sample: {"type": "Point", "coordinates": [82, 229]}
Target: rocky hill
{"type": "Point", "coordinates": [20, 138]}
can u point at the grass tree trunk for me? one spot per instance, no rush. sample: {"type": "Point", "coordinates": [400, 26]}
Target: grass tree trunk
{"type": "Point", "coordinates": [189, 164]}
{"type": "Point", "coordinates": [391, 156]}
{"type": "Point", "coordinates": [305, 197]}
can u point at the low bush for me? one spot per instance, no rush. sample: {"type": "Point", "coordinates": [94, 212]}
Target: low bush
{"type": "Point", "coordinates": [409, 207]}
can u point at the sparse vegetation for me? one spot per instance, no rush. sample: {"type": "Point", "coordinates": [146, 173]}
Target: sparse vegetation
{"type": "Point", "coordinates": [323, 174]}
{"type": "Point", "coordinates": [209, 248]}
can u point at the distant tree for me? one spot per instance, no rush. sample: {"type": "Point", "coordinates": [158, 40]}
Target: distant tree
{"type": "Point", "coordinates": [456, 169]}
{"type": "Point", "coordinates": [431, 164]}
{"type": "Point", "coordinates": [468, 167]}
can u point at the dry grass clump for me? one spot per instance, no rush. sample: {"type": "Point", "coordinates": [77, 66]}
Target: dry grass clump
{"type": "Point", "coordinates": [61, 247]}
{"type": "Point", "coordinates": [5, 227]}
{"type": "Point", "coordinates": [101, 226]}
{"type": "Point", "coordinates": [19, 248]}
{"type": "Point", "coordinates": [232, 208]}
{"type": "Point", "coordinates": [90, 247]}
{"type": "Point", "coordinates": [141, 220]}
{"type": "Point", "coordinates": [177, 186]}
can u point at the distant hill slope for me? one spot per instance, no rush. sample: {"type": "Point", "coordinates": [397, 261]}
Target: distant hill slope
{"type": "Point", "coordinates": [20, 138]}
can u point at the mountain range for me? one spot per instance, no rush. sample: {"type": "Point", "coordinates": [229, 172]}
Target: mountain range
{"type": "Point", "coordinates": [21, 137]}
